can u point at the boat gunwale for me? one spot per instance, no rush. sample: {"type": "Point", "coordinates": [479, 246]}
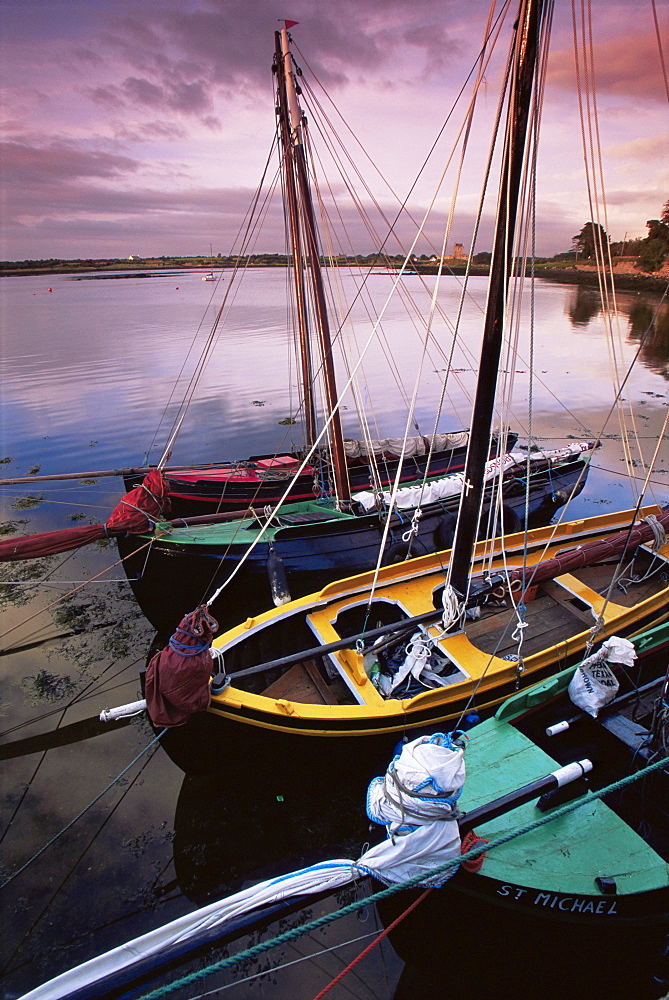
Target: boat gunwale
{"type": "Point", "coordinates": [395, 713]}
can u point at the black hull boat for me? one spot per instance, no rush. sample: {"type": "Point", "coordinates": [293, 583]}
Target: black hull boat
{"type": "Point", "coordinates": [508, 852]}
{"type": "Point", "coordinates": [263, 479]}
{"type": "Point", "coordinates": [584, 897]}
{"type": "Point", "coordinates": [306, 548]}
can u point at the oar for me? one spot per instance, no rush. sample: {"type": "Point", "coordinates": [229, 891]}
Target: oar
{"type": "Point", "coordinates": [505, 803]}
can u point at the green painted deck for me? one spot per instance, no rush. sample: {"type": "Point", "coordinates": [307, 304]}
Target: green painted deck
{"type": "Point", "coordinates": [566, 855]}
{"type": "Point", "coordinates": [245, 530]}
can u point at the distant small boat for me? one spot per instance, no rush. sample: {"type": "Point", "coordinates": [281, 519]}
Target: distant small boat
{"type": "Point", "coordinates": [210, 276]}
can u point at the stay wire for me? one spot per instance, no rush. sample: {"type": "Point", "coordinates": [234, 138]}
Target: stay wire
{"type": "Point", "coordinates": [416, 882]}
{"type": "Point", "coordinates": [97, 798]}
{"type": "Point", "coordinates": [659, 47]}
{"type": "Point", "coordinates": [286, 965]}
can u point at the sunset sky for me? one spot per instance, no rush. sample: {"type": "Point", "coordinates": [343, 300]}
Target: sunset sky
{"type": "Point", "coordinates": [142, 126]}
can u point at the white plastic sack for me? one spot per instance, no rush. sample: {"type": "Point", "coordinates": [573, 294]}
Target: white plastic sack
{"type": "Point", "coordinates": [594, 684]}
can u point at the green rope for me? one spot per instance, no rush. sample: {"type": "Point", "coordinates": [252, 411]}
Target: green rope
{"type": "Point", "coordinates": [415, 882]}
{"type": "Point", "coordinates": [83, 811]}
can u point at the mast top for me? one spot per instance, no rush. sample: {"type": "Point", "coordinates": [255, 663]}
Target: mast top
{"type": "Point", "coordinates": [294, 110]}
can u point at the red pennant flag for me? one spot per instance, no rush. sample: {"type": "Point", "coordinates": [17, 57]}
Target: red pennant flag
{"type": "Point", "coordinates": [289, 24]}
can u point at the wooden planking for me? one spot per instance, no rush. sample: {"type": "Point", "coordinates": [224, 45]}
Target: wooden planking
{"type": "Point", "coordinates": [548, 623]}
{"type": "Point", "coordinates": [303, 684]}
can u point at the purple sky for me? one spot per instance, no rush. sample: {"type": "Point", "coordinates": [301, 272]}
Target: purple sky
{"type": "Point", "coordinates": [142, 126]}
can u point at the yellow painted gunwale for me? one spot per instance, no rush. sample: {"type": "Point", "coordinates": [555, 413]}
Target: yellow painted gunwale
{"type": "Point", "coordinates": [411, 585]}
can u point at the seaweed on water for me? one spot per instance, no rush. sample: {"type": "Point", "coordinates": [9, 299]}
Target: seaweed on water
{"type": "Point", "coordinates": [123, 629]}
{"type": "Point", "coordinates": [11, 527]}
{"type": "Point", "coordinates": [28, 502]}
{"type": "Point", "coordinates": [45, 686]}
{"type": "Point", "coordinates": [19, 580]}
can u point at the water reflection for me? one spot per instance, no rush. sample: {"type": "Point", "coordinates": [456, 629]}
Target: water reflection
{"type": "Point", "coordinates": [111, 876]}
{"type": "Point", "coordinates": [652, 324]}
{"type": "Point", "coordinates": [253, 822]}
{"type": "Point", "coordinates": [647, 321]}
{"type": "Point", "coordinates": [585, 304]}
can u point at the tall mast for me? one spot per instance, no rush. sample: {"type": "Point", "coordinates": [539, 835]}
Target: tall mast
{"type": "Point", "coordinates": [522, 80]}
{"type": "Point", "coordinates": [296, 247]}
{"type": "Point", "coordinates": [303, 212]}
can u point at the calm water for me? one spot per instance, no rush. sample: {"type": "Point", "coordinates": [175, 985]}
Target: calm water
{"type": "Point", "coordinates": [91, 372]}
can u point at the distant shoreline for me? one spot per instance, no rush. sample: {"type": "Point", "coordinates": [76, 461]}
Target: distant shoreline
{"type": "Point", "coordinates": [586, 275]}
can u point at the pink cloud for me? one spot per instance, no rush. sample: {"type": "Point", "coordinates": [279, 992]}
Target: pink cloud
{"type": "Point", "coordinates": [58, 162]}
{"type": "Point", "coordinates": [626, 66]}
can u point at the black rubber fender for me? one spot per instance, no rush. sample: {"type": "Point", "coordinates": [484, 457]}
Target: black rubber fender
{"type": "Point", "coordinates": [278, 578]}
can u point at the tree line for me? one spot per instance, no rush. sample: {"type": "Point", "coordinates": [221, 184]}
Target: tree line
{"type": "Point", "coordinates": [650, 252]}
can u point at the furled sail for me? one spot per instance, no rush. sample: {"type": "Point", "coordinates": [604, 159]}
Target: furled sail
{"type": "Point", "coordinates": [430, 492]}
{"type": "Point", "coordinates": [137, 511]}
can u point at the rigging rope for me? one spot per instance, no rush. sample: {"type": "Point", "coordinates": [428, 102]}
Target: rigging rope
{"type": "Point", "coordinates": [450, 866]}
{"type": "Point", "coordinates": [84, 810]}
{"type": "Point", "coordinates": [384, 933]}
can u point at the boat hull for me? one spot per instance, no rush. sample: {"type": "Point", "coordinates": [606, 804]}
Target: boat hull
{"type": "Point", "coordinates": [608, 947]}
{"type": "Point", "coordinates": [358, 740]}
{"type": "Point", "coordinates": [175, 574]}
{"type": "Point", "coordinates": [263, 479]}
{"type": "Point", "coordinates": [591, 878]}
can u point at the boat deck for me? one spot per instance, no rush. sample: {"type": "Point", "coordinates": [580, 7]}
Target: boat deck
{"type": "Point", "coordinates": [601, 842]}
{"type": "Point", "coordinates": [558, 617]}
{"type": "Point", "coordinates": [561, 609]}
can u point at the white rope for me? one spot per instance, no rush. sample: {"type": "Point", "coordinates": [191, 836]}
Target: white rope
{"type": "Point", "coordinates": [659, 534]}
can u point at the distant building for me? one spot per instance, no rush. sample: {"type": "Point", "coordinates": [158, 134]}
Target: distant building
{"type": "Point", "coordinates": [459, 252]}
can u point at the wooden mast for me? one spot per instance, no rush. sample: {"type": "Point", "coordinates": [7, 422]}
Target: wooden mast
{"type": "Point", "coordinates": [294, 151]}
{"type": "Point", "coordinates": [289, 173]}
{"type": "Point", "coordinates": [522, 80]}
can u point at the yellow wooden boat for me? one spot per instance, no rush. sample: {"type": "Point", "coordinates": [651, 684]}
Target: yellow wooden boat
{"type": "Point", "coordinates": [321, 669]}
{"type": "Point", "coordinates": [431, 641]}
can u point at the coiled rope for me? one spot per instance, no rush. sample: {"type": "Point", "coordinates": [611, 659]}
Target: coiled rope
{"type": "Point", "coordinates": [415, 882]}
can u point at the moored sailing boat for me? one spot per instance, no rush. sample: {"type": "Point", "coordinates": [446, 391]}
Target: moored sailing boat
{"type": "Point", "coordinates": [366, 661]}
{"type": "Point", "coordinates": [266, 479]}
{"type": "Point", "coordinates": [411, 646]}
{"type": "Point", "coordinates": [510, 829]}
{"type": "Point", "coordinates": [297, 548]}
{"type": "Point", "coordinates": [564, 865]}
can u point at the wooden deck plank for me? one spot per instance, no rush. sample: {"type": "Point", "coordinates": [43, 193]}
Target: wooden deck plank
{"type": "Point", "coordinates": [298, 684]}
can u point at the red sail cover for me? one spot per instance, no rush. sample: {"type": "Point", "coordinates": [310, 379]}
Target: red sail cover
{"type": "Point", "coordinates": [135, 513]}
{"type": "Point", "coordinates": [591, 553]}
{"type": "Point", "coordinates": [177, 678]}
